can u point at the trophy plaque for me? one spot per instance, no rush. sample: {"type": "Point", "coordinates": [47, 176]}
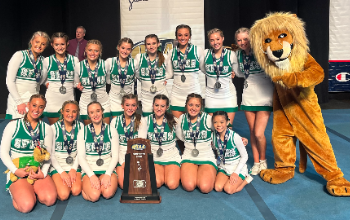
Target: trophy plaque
{"type": "Point", "coordinates": [139, 175]}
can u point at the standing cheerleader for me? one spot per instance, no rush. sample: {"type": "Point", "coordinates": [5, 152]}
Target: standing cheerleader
{"type": "Point", "coordinates": [198, 166]}
{"type": "Point", "coordinates": [19, 139]}
{"type": "Point", "coordinates": [183, 65]}
{"type": "Point", "coordinates": [98, 156]}
{"type": "Point", "coordinates": [256, 98]}
{"type": "Point", "coordinates": [219, 65]}
{"type": "Point", "coordinates": [120, 71]}
{"type": "Point", "coordinates": [64, 169]}
{"type": "Point", "coordinates": [150, 69]}
{"type": "Point", "coordinates": [92, 80]}
{"type": "Point", "coordinates": [23, 77]}
{"type": "Point", "coordinates": [160, 128]}
{"type": "Point", "coordinates": [59, 72]}
{"type": "Point", "coordinates": [127, 126]}
{"type": "Point", "coordinates": [232, 156]}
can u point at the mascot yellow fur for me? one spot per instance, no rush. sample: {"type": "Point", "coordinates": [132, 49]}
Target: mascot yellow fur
{"type": "Point", "coordinates": [280, 45]}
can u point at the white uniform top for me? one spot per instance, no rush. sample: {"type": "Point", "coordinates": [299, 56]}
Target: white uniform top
{"type": "Point", "coordinates": [110, 157]}
{"type": "Point", "coordinates": [7, 137]}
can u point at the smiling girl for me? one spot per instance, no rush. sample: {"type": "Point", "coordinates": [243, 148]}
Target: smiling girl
{"type": "Point", "coordinates": [23, 77]}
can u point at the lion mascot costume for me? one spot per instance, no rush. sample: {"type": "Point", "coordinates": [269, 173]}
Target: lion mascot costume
{"type": "Point", "coordinates": [280, 45]}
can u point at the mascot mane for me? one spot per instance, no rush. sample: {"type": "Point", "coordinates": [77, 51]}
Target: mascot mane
{"type": "Point", "coordinates": [280, 21]}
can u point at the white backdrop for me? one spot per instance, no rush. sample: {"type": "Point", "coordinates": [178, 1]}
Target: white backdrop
{"type": "Point", "coordinates": [161, 17]}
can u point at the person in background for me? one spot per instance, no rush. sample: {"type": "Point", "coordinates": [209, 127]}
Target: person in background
{"type": "Point", "coordinates": [76, 46]}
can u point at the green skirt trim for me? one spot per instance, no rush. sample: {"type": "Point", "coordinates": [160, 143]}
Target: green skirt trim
{"type": "Point", "coordinates": [99, 173]}
{"type": "Point", "coordinates": [167, 163]}
{"type": "Point", "coordinates": [117, 113]}
{"type": "Point", "coordinates": [199, 163]}
{"type": "Point", "coordinates": [8, 116]}
{"type": "Point", "coordinates": [223, 171]}
{"type": "Point", "coordinates": [212, 110]}
{"type": "Point", "coordinates": [177, 108]}
{"type": "Point", "coordinates": [52, 114]}
{"type": "Point", "coordinates": [145, 114]}
{"type": "Point", "coordinates": [256, 108]}
{"type": "Point", "coordinates": [55, 171]}
{"type": "Point", "coordinates": [8, 184]}
{"type": "Point", "coordinates": [118, 164]}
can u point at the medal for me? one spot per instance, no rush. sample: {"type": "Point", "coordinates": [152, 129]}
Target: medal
{"type": "Point", "coordinates": [98, 144]}
{"type": "Point", "coordinates": [128, 134]}
{"type": "Point", "coordinates": [37, 71]}
{"type": "Point", "coordinates": [122, 75]}
{"type": "Point", "coordinates": [99, 162]}
{"type": "Point", "coordinates": [246, 64]}
{"type": "Point", "coordinates": [217, 85]}
{"type": "Point", "coordinates": [160, 152]}
{"type": "Point", "coordinates": [218, 69]}
{"type": "Point", "coordinates": [153, 89]}
{"type": "Point", "coordinates": [34, 135]}
{"type": "Point", "coordinates": [183, 78]}
{"type": "Point", "coordinates": [63, 90]}
{"type": "Point", "coordinates": [69, 160]}
{"type": "Point", "coordinates": [93, 97]}
{"type": "Point", "coordinates": [221, 149]}
{"type": "Point", "coordinates": [195, 152]}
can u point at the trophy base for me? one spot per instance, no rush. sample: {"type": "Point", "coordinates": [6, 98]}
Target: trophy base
{"type": "Point", "coordinates": [153, 198]}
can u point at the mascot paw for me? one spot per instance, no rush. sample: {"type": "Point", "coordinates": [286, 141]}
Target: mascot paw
{"type": "Point", "coordinates": [277, 176]}
{"type": "Point", "coordinates": [339, 187]}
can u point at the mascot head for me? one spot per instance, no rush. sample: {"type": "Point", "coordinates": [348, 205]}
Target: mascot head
{"type": "Point", "coordinates": [279, 43]}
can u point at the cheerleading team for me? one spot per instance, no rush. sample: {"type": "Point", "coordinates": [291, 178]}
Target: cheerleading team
{"type": "Point", "coordinates": [58, 70]}
{"type": "Point", "coordinates": [23, 77]}
{"type": "Point", "coordinates": [127, 126]}
{"type": "Point", "coordinates": [160, 129]}
{"type": "Point", "coordinates": [91, 75]}
{"type": "Point", "coordinates": [198, 165]}
{"type": "Point", "coordinates": [232, 156]}
{"type": "Point", "coordinates": [98, 156]}
{"type": "Point", "coordinates": [183, 64]}
{"type": "Point", "coordinates": [120, 72]}
{"type": "Point", "coordinates": [20, 138]}
{"type": "Point", "coordinates": [150, 70]}
{"type": "Point", "coordinates": [256, 98]}
{"type": "Point", "coordinates": [219, 67]}
{"type": "Point", "coordinates": [64, 169]}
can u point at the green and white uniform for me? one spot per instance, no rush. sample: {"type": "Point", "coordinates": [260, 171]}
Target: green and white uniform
{"type": "Point", "coordinates": [236, 155]}
{"type": "Point", "coordinates": [21, 82]}
{"type": "Point", "coordinates": [87, 155]}
{"type": "Point", "coordinates": [142, 73]}
{"type": "Point", "coordinates": [258, 95]}
{"type": "Point", "coordinates": [102, 96]}
{"type": "Point", "coordinates": [203, 142]}
{"type": "Point", "coordinates": [180, 90]}
{"type": "Point", "coordinates": [117, 124]}
{"type": "Point", "coordinates": [113, 77]}
{"type": "Point", "coordinates": [53, 96]}
{"type": "Point", "coordinates": [224, 98]}
{"type": "Point", "coordinates": [17, 142]}
{"type": "Point", "coordinates": [170, 152]}
{"type": "Point", "coordinates": [59, 153]}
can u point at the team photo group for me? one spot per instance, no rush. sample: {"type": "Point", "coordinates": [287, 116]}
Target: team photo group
{"type": "Point", "coordinates": [66, 157]}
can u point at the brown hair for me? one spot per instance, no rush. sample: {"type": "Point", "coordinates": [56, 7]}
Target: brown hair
{"type": "Point", "coordinates": [97, 42]}
{"type": "Point", "coordinates": [91, 103]}
{"type": "Point", "coordinates": [124, 40]}
{"type": "Point", "coordinates": [69, 102]}
{"type": "Point", "coordinates": [169, 117]}
{"type": "Point", "coordinates": [59, 35]}
{"type": "Point", "coordinates": [35, 96]}
{"type": "Point", "coordinates": [160, 53]}
{"type": "Point", "coordinates": [180, 26]}
{"type": "Point", "coordinates": [194, 95]}
{"type": "Point", "coordinates": [137, 116]}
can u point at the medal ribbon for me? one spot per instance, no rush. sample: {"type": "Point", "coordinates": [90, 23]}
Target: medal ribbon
{"type": "Point", "coordinates": [35, 135]}
{"type": "Point", "coordinates": [194, 134]}
{"type": "Point", "coordinates": [246, 63]}
{"type": "Point", "coordinates": [122, 75]}
{"type": "Point", "coordinates": [218, 69]}
{"type": "Point", "coordinates": [98, 145]}
{"type": "Point", "coordinates": [152, 71]}
{"type": "Point", "coordinates": [221, 147]}
{"type": "Point", "coordinates": [159, 136]}
{"type": "Point", "coordinates": [68, 144]}
{"type": "Point", "coordinates": [37, 71]}
{"type": "Point", "coordinates": [182, 63]}
{"type": "Point", "coordinates": [129, 134]}
{"type": "Point", "coordinates": [92, 78]}
{"type": "Point", "coordinates": [62, 71]}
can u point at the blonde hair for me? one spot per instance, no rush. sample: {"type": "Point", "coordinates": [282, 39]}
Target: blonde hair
{"type": "Point", "coordinates": [137, 116]}
{"type": "Point", "coordinates": [69, 102]}
{"type": "Point", "coordinates": [41, 34]}
{"type": "Point", "coordinates": [97, 42]}
{"type": "Point", "coordinates": [215, 30]}
{"type": "Point", "coordinates": [241, 30]}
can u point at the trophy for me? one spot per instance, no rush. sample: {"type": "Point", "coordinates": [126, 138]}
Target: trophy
{"type": "Point", "coordinates": [139, 175]}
